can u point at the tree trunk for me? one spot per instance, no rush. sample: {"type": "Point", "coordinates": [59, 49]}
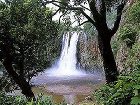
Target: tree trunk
{"type": "Point", "coordinates": [20, 80]}
{"type": "Point", "coordinates": [109, 63]}
{"type": "Point", "coordinates": [8, 55]}
{"type": "Point", "coordinates": [21, 62]}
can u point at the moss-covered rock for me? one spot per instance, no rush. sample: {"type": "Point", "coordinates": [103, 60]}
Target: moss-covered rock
{"type": "Point", "coordinates": [128, 38]}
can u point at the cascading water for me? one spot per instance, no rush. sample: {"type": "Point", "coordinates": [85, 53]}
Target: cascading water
{"type": "Point", "coordinates": [66, 66]}
{"type": "Point", "coordinates": [64, 70]}
{"type": "Point", "coordinates": [63, 78]}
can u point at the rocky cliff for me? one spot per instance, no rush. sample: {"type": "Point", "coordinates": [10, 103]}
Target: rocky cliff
{"type": "Point", "coordinates": [127, 39]}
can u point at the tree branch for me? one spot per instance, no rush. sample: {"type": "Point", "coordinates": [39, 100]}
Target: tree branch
{"type": "Point", "coordinates": [85, 8]}
{"type": "Point", "coordinates": [67, 7]}
{"type": "Point", "coordinates": [56, 12]}
{"type": "Point", "coordinates": [54, 2]}
{"type": "Point", "coordinates": [61, 16]}
{"type": "Point", "coordinates": [94, 11]}
{"type": "Point", "coordinates": [83, 23]}
{"type": "Point", "coordinates": [89, 18]}
{"type": "Point", "coordinates": [72, 8]}
{"type": "Point", "coordinates": [103, 9]}
{"type": "Point", "coordinates": [118, 18]}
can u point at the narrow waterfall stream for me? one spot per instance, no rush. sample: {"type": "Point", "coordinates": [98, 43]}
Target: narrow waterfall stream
{"type": "Point", "coordinates": [66, 65]}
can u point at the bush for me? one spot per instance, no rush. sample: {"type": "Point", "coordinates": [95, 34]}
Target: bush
{"type": "Point", "coordinates": [134, 13]}
{"type": "Point", "coordinates": [128, 35]}
{"type": "Point", "coordinates": [133, 60]}
{"type": "Point", "coordinates": [21, 100]}
{"type": "Point", "coordinates": [129, 31]}
{"type": "Point", "coordinates": [125, 92]}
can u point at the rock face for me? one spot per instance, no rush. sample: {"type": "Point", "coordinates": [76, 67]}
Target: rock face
{"type": "Point", "coordinates": [127, 58]}
{"type": "Point", "coordinates": [121, 57]}
{"type": "Point", "coordinates": [88, 52]}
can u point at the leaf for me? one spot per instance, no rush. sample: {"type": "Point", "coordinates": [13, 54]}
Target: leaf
{"type": "Point", "coordinates": [137, 86]}
{"type": "Point", "coordinates": [135, 101]}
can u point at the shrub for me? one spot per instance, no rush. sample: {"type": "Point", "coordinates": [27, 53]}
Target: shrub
{"type": "Point", "coordinates": [133, 60]}
{"type": "Point", "coordinates": [21, 100]}
{"type": "Point", "coordinates": [134, 13]}
{"type": "Point", "coordinates": [125, 92]}
{"type": "Point", "coordinates": [128, 35]}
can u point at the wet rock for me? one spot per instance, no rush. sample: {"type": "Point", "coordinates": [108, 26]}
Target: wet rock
{"type": "Point", "coordinates": [88, 98]}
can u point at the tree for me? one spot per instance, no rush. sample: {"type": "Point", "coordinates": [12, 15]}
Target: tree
{"type": "Point", "coordinates": [98, 10]}
{"type": "Point", "coordinates": [27, 37]}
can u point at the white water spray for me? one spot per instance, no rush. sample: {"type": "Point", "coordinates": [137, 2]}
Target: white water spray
{"type": "Point", "coordinates": [64, 71]}
{"type": "Point", "coordinates": [66, 66]}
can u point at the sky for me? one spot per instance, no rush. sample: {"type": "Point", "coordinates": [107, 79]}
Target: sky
{"type": "Point", "coordinates": [56, 17]}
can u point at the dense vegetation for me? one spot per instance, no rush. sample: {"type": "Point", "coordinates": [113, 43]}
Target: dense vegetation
{"type": "Point", "coordinates": [20, 100]}
{"type": "Point", "coordinates": [126, 90]}
{"type": "Point", "coordinates": [33, 34]}
{"type": "Point", "coordinates": [29, 42]}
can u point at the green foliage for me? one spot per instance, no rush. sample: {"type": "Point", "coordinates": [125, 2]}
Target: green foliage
{"type": "Point", "coordinates": [135, 100]}
{"type": "Point", "coordinates": [134, 13]}
{"type": "Point", "coordinates": [115, 46]}
{"type": "Point", "coordinates": [89, 29]}
{"type": "Point", "coordinates": [20, 100]}
{"type": "Point", "coordinates": [126, 91]}
{"type": "Point", "coordinates": [32, 34]}
{"type": "Point", "coordinates": [128, 34]}
{"type": "Point", "coordinates": [123, 92]}
{"type": "Point", "coordinates": [133, 60]}
{"type": "Point", "coordinates": [130, 30]}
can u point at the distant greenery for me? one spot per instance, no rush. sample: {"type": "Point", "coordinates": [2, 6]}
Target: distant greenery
{"type": "Point", "coordinates": [89, 29]}
{"type": "Point", "coordinates": [21, 100]}
{"type": "Point", "coordinates": [128, 35]}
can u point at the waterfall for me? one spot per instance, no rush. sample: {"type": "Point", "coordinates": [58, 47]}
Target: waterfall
{"type": "Point", "coordinates": [66, 65]}
{"type": "Point", "coordinates": [65, 71]}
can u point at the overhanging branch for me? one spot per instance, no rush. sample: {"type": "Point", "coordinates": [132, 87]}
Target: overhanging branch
{"type": "Point", "coordinates": [85, 7]}
{"type": "Point", "coordinates": [94, 11]}
{"type": "Point", "coordinates": [83, 23]}
{"type": "Point", "coordinates": [68, 7]}
{"type": "Point", "coordinates": [89, 19]}
{"type": "Point", "coordinates": [56, 12]}
{"type": "Point", "coordinates": [61, 16]}
{"type": "Point", "coordinates": [103, 9]}
{"type": "Point", "coordinates": [118, 18]}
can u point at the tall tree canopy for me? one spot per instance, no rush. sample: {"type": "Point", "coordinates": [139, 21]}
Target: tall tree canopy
{"type": "Point", "coordinates": [28, 40]}
{"type": "Point", "coordinates": [98, 11]}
